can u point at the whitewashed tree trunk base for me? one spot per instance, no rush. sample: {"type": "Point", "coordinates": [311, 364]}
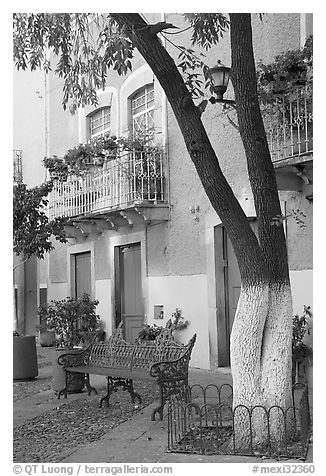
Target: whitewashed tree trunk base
{"type": "Point", "coordinates": [261, 363]}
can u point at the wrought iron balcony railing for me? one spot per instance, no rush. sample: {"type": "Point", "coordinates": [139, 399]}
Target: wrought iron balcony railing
{"type": "Point", "coordinates": [131, 178]}
{"type": "Point", "coordinates": [18, 166]}
{"type": "Point", "coordinates": [289, 124]}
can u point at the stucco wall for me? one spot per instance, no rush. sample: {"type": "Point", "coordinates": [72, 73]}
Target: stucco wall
{"type": "Point", "coordinates": [190, 295]}
{"type": "Point", "coordinates": [302, 289]}
{"type": "Point", "coordinates": [29, 123]}
{"type": "Point", "coordinates": [299, 231]}
{"type": "Point", "coordinates": [58, 264]}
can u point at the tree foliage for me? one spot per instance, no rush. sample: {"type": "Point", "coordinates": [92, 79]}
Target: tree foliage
{"type": "Point", "coordinates": [32, 229]}
{"type": "Point", "coordinates": [207, 28]}
{"type": "Point", "coordinates": [87, 45]}
{"type": "Point", "coordinates": [82, 58]}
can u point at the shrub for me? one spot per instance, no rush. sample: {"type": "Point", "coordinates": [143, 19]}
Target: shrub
{"type": "Point", "coordinates": [71, 319]}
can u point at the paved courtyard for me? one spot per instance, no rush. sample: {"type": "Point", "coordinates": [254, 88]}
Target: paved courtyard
{"type": "Point", "coordinates": [76, 430]}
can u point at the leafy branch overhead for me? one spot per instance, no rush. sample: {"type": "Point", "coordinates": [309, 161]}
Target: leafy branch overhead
{"type": "Point", "coordinates": [32, 230]}
{"type": "Point", "coordinates": [87, 45]}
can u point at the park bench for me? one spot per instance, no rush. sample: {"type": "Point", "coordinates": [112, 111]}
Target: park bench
{"type": "Point", "coordinates": [163, 360]}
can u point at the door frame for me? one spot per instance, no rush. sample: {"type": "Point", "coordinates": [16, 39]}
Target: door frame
{"type": "Point", "coordinates": [221, 290]}
{"type": "Point", "coordinates": [71, 251]}
{"type": "Point", "coordinates": [115, 242]}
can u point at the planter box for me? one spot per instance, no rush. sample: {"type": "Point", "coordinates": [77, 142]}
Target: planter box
{"type": "Point", "coordinates": [24, 358]}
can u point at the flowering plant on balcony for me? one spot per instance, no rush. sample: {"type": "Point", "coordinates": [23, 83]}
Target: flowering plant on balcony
{"type": "Point", "coordinates": [290, 69]}
{"type": "Point", "coordinates": [91, 154]}
{"type": "Point", "coordinates": [94, 154]}
{"type": "Point", "coordinates": [286, 100]}
{"type": "Point", "coordinates": [57, 168]}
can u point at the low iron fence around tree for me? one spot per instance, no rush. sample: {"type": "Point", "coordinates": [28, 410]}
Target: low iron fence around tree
{"type": "Point", "coordinates": [203, 422]}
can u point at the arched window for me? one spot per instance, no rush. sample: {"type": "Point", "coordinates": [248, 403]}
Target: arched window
{"type": "Point", "coordinates": [142, 112]}
{"type": "Point", "coordinates": [100, 122]}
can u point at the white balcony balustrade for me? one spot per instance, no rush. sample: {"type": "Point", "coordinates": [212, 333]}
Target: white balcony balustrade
{"type": "Point", "coordinates": [288, 123]}
{"type": "Point", "coordinates": [132, 178]}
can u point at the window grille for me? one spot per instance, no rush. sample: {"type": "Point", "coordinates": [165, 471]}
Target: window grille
{"type": "Point", "coordinates": [100, 122]}
{"type": "Point", "coordinates": [142, 110]}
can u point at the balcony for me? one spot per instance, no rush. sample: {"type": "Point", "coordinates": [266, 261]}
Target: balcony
{"type": "Point", "coordinates": [289, 129]}
{"type": "Point", "coordinates": [288, 124]}
{"type": "Point", "coordinates": [127, 190]}
{"type": "Point", "coordinates": [18, 166]}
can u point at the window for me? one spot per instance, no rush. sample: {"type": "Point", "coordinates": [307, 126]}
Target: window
{"type": "Point", "coordinates": [142, 112]}
{"type": "Point", "coordinates": [100, 122]}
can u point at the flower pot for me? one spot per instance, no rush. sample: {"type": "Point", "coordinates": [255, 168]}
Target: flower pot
{"type": "Point", "coordinates": [24, 358]}
{"type": "Point", "coordinates": [47, 338]}
{"type": "Point", "coordinates": [76, 381]}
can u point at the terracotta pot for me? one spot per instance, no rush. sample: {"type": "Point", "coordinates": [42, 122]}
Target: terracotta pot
{"type": "Point", "coordinates": [47, 338]}
{"type": "Point", "coordinates": [24, 358]}
{"type": "Point", "coordinates": [76, 382]}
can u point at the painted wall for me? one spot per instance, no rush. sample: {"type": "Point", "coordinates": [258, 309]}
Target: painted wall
{"type": "Point", "coordinates": [190, 295]}
{"type": "Point", "coordinates": [302, 289]}
{"type": "Point", "coordinates": [29, 123]}
{"type": "Point", "coordinates": [299, 231]}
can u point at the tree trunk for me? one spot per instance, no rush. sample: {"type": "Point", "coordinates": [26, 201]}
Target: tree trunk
{"type": "Point", "coordinates": [262, 330]}
{"type": "Point", "coordinates": [261, 334]}
{"type": "Point", "coordinates": [261, 365]}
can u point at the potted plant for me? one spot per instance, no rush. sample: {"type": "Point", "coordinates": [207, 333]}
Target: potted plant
{"type": "Point", "coordinates": [149, 333]}
{"type": "Point", "coordinates": [57, 168]}
{"type": "Point", "coordinates": [179, 323]}
{"type": "Point", "coordinates": [301, 351]}
{"type": "Point", "coordinates": [24, 357]}
{"type": "Point", "coordinates": [286, 97]}
{"type": "Point", "coordinates": [288, 70]}
{"type": "Point", "coordinates": [74, 322]}
{"type": "Point", "coordinates": [46, 334]}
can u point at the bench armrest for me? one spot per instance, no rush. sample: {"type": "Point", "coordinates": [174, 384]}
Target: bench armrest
{"type": "Point", "coordinates": [174, 369]}
{"type": "Point", "coordinates": [73, 359]}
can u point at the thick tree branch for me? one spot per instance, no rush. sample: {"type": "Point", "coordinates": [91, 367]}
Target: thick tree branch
{"type": "Point", "coordinates": [219, 192]}
{"type": "Point", "coordinates": [260, 167]}
{"type": "Point", "coordinates": [160, 26]}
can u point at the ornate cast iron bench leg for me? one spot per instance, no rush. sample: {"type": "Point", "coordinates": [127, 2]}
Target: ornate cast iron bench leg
{"type": "Point", "coordinates": [133, 394]}
{"type": "Point", "coordinates": [168, 388]}
{"type": "Point", "coordinates": [64, 391]}
{"type": "Point", "coordinates": [126, 384]}
{"type": "Point", "coordinates": [89, 387]}
{"type": "Point", "coordinates": [160, 408]}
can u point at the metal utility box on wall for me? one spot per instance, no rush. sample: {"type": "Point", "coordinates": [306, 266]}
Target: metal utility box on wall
{"type": "Point", "coordinates": [158, 312]}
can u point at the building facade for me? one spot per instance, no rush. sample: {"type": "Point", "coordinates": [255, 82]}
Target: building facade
{"type": "Point", "coordinates": [143, 237]}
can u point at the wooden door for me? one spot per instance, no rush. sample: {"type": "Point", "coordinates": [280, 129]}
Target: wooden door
{"type": "Point", "coordinates": [130, 308]}
{"type": "Point", "coordinates": [228, 287]}
{"type": "Point", "coordinates": [233, 283]}
{"type": "Point", "coordinates": [82, 274]}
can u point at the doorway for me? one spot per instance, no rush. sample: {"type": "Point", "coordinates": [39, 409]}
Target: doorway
{"type": "Point", "coordinates": [128, 286]}
{"type": "Point", "coordinates": [228, 288]}
{"type": "Point", "coordinates": [81, 274]}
